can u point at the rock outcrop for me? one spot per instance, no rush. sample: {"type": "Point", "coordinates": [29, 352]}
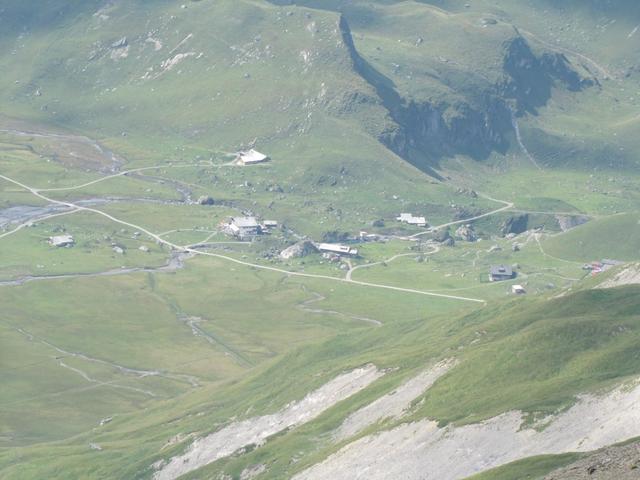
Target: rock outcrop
{"type": "Point", "coordinates": [567, 222]}
{"type": "Point", "coordinates": [475, 127]}
{"type": "Point", "coordinates": [206, 200]}
{"type": "Point", "coordinates": [466, 233]}
{"type": "Point", "coordinates": [299, 250]}
{"type": "Point", "coordinates": [515, 225]}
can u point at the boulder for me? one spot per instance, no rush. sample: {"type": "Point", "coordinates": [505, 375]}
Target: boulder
{"type": "Point", "coordinates": [206, 200]}
{"type": "Point", "coordinates": [121, 43]}
{"type": "Point", "coordinates": [466, 233]}
{"type": "Point", "coordinates": [299, 250]}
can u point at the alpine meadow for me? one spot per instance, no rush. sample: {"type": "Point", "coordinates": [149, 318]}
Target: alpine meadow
{"type": "Point", "coordinates": [319, 239]}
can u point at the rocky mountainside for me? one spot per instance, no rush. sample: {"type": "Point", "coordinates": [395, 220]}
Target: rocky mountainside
{"type": "Point", "coordinates": [481, 123]}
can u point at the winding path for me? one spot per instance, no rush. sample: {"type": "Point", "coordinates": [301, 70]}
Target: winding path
{"type": "Point", "coordinates": [188, 249]}
{"type": "Point", "coordinates": [352, 269]}
{"type": "Point", "coordinates": [507, 206]}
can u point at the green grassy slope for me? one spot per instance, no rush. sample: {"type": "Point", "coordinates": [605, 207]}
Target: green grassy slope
{"type": "Point", "coordinates": [513, 335]}
{"type": "Point", "coordinates": [167, 354]}
{"type": "Point", "coordinates": [616, 237]}
{"type": "Point", "coordinates": [530, 468]}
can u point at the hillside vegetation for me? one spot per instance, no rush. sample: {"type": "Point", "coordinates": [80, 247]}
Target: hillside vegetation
{"type": "Point", "coordinates": [159, 345]}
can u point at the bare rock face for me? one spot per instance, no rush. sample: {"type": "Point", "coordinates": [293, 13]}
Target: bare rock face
{"type": "Point", "coordinates": [567, 222]}
{"type": "Point", "coordinates": [516, 224]}
{"type": "Point", "coordinates": [299, 250]}
{"type": "Point", "coordinates": [476, 125]}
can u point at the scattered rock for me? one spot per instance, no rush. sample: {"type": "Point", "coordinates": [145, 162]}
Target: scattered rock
{"type": "Point", "coordinates": [619, 462]}
{"type": "Point", "coordinates": [252, 472]}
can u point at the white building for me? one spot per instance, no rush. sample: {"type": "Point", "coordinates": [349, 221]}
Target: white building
{"type": "Point", "coordinates": [410, 219]}
{"type": "Point", "coordinates": [338, 249]}
{"type": "Point", "coordinates": [243, 227]}
{"type": "Point", "coordinates": [251, 157]}
{"type": "Point", "coordinates": [62, 241]}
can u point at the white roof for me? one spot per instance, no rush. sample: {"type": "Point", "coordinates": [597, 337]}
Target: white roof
{"type": "Point", "coordinates": [517, 288]}
{"type": "Point", "coordinates": [252, 156]}
{"type": "Point", "coordinates": [410, 219]}
{"type": "Point", "coordinates": [61, 240]}
{"type": "Point", "coordinates": [336, 248]}
{"type": "Point", "coordinates": [245, 222]}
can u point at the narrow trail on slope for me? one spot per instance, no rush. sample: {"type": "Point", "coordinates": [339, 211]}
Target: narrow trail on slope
{"type": "Point", "coordinates": [516, 129]}
{"type": "Point", "coordinates": [434, 249]}
{"type": "Point", "coordinates": [128, 371]}
{"type": "Point", "coordinates": [304, 306]}
{"type": "Point", "coordinates": [37, 219]}
{"type": "Point", "coordinates": [602, 70]}
{"type": "Point", "coordinates": [507, 206]}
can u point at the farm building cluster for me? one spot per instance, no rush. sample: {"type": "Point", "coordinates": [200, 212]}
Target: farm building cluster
{"type": "Point", "coordinates": [602, 266]}
{"type": "Point", "coordinates": [247, 227]}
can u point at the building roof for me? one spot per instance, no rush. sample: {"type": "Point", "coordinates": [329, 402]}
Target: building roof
{"type": "Point", "coordinates": [252, 156]}
{"type": "Point", "coordinates": [61, 240]}
{"type": "Point", "coordinates": [336, 248]}
{"type": "Point", "coordinates": [412, 220]}
{"type": "Point", "coordinates": [501, 270]}
{"type": "Point", "coordinates": [245, 222]}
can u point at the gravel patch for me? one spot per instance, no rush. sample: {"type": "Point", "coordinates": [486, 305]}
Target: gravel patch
{"type": "Point", "coordinates": [255, 431]}
{"type": "Point", "coordinates": [393, 404]}
{"type": "Point", "coordinates": [629, 276]}
{"type": "Point", "coordinates": [422, 451]}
